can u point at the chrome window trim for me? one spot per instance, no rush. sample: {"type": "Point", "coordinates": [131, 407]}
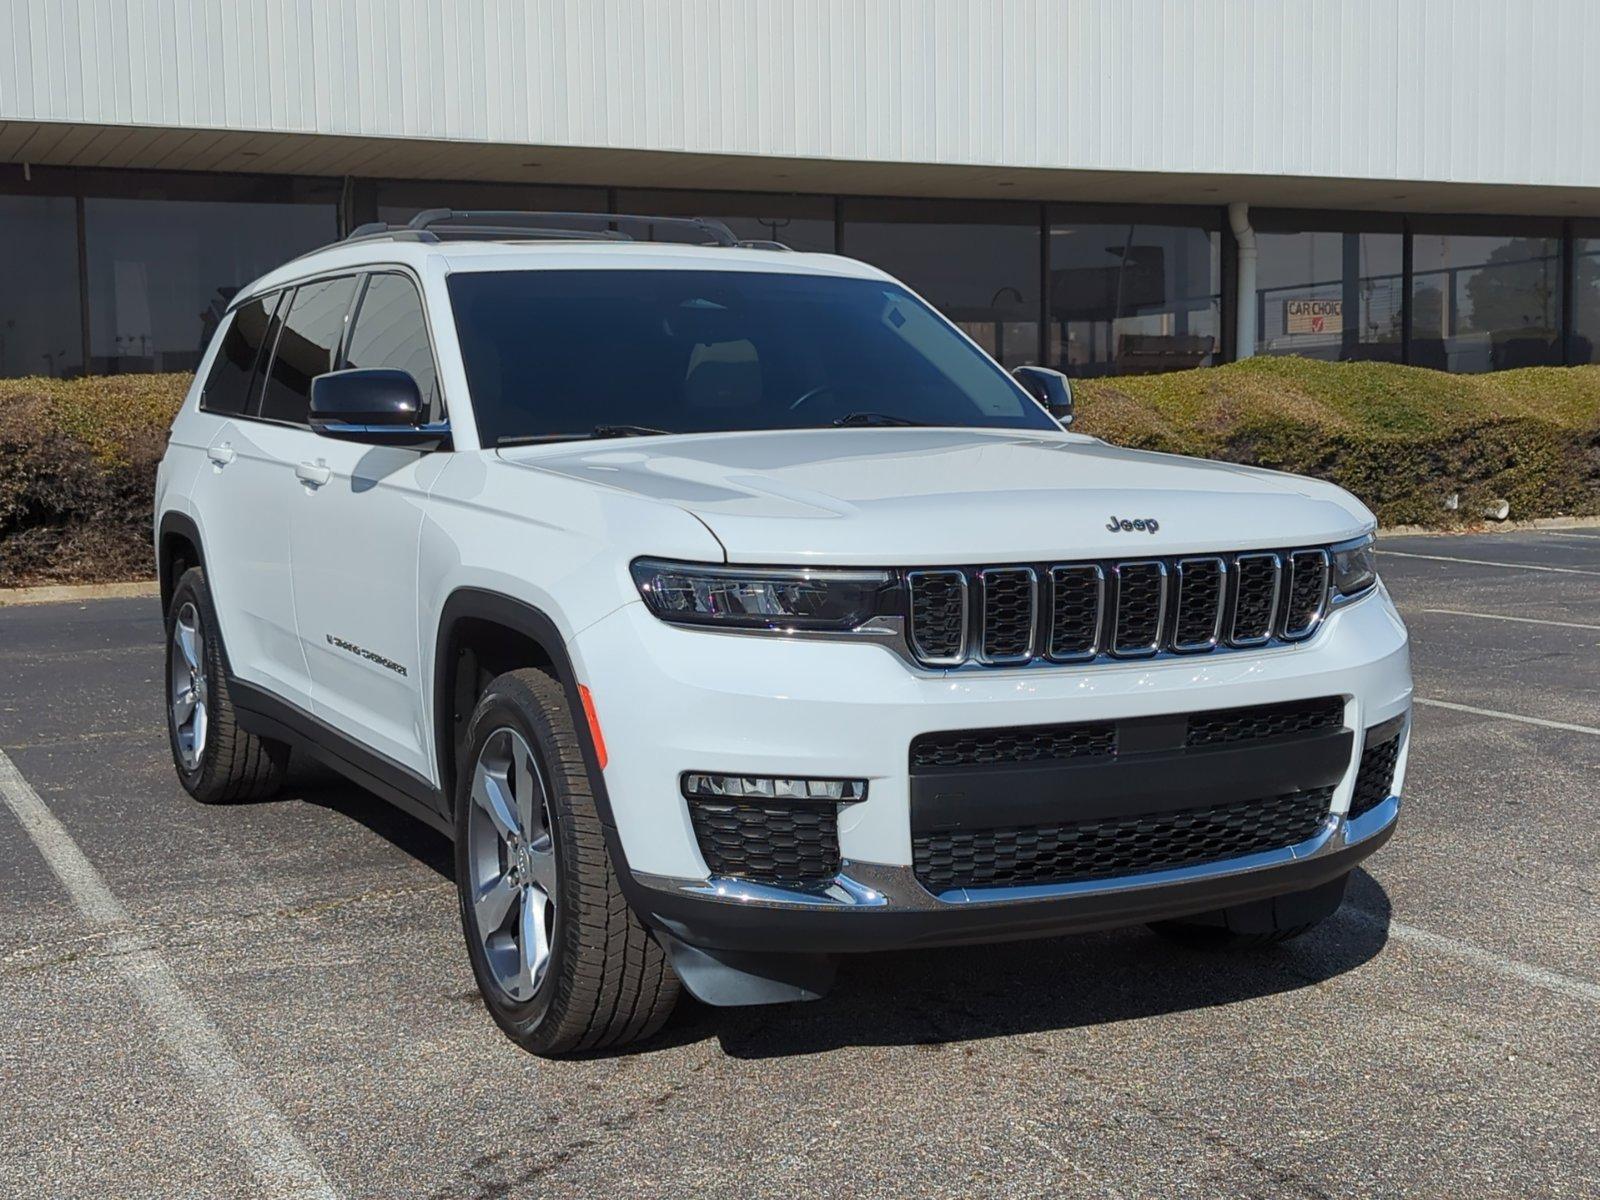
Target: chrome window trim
{"type": "Point", "coordinates": [1097, 639]}
{"type": "Point", "coordinates": [1272, 613]}
{"type": "Point", "coordinates": [963, 650]}
{"type": "Point", "coordinates": [1215, 639]}
{"type": "Point", "coordinates": [1326, 561]}
{"type": "Point", "coordinates": [1141, 651]}
{"type": "Point", "coordinates": [1031, 652]}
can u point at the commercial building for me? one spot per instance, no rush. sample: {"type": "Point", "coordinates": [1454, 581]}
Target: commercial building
{"type": "Point", "coordinates": [1100, 185]}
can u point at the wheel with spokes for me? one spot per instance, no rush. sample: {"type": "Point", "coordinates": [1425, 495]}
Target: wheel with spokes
{"type": "Point", "coordinates": [216, 760]}
{"type": "Point", "coordinates": [561, 960]}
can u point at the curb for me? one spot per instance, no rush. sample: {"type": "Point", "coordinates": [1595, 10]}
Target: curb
{"type": "Point", "coordinates": [62, 593]}
{"type": "Point", "coordinates": [1491, 527]}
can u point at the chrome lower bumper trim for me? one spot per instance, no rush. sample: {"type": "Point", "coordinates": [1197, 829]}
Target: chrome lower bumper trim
{"type": "Point", "coordinates": [861, 885]}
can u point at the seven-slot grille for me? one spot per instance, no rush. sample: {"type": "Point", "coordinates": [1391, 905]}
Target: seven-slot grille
{"type": "Point", "coordinates": [1076, 612]}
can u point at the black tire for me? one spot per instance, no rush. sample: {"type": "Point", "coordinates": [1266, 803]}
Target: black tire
{"type": "Point", "coordinates": [607, 981]}
{"type": "Point", "coordinates": [1258, 924]}
{"type": "Point", "coordinates": [232, 765]}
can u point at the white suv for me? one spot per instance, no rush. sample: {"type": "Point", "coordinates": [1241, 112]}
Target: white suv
{"type": "Point", "coordinates": [732, 610]}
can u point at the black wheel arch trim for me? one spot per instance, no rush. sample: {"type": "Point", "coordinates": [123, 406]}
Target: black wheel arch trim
{"type": "Point", "coordinates": [179, 523]}
{"type": "Point", "coordinates": [470, 603]}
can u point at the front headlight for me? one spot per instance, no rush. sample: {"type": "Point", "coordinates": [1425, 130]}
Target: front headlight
{"type": "Point", "coordinates": [1355, 567]}
{"type": "Point", "coordinates": [761, 597]}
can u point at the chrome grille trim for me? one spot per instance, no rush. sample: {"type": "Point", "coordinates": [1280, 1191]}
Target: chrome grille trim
{"type": "Point", "coordinates": [1124, 582]}
{"type": "Point", "coordinates": [990, 580]}
{"type": "Point", "coordinates": [921, 579]}
{"type": "Point", "coordinates": [1318, 563]}
{"type": "Point", "coordinates": [1059, 577]}
{"type": "Point", "coordinates": [1259, 633]}
{"type": "Point", "coordinates": [1183, 570]}
{"type": "Point", "coordinates": [1077, 612]}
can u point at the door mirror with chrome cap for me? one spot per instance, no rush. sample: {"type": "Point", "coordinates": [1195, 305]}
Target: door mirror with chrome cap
{"type": "Point", "coordinates": [381, 406]}
{"type": "Point", "coordinates": [1051, 389]}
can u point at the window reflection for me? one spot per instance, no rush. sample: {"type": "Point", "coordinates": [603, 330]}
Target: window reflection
{"type": "Point", "coordinates": [1330, 295]}
{"type": "Point", "coordinates": [161, 272]}
{"type": "Point", "coordinates": [977, 263]}
{"type": "Point", "coordinates": [800, 222]}
{"type": "Point", "coordinates": [1485, 303]}
{"type": "Point", "coordinates": [1131, 298]}
{"type": "Point", "coordinates": [1585, 297]}
{"type": "Point", "coordinates": [41, 329]}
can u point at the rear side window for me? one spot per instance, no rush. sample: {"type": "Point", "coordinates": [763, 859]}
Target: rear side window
{"type": "Point", "coordinates": [390, 331]}
{"type": "Point", "coordinates": [227, 388]}
{"type": "Point", "coordinates": [307, 347]}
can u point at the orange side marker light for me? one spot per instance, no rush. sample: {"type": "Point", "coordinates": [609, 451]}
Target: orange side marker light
{"type": "Point", "coordinates": [594, 726]}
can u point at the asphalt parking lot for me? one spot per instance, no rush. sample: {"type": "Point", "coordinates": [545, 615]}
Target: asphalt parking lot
{"type": "Point", "coordinates": [273, 999]}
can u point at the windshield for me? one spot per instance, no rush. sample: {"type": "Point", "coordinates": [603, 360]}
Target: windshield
{"type": "Point", "coordinates": [610, 352]}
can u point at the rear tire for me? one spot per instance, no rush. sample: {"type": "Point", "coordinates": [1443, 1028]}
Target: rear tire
{"type": "Point", "coordinates": [217, 762]}
{"type": "Point", "coordinates": [563, 963]}
{"type": "Point", "coordinates": [1258, 924]}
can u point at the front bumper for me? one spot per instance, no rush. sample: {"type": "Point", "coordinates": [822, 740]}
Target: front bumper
{"type": "Point", "coordinates": [672, 700]}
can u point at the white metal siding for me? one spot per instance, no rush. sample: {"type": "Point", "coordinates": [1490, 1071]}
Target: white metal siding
{"type": "Point", "coordinates": [1463, 91]}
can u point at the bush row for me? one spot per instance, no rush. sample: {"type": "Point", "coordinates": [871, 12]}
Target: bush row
{"type": "Point", "coordinates": [78, 458]}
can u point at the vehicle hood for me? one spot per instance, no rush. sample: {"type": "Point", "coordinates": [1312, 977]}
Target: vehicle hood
{"type": "Point", "coordinates": [897, 497]}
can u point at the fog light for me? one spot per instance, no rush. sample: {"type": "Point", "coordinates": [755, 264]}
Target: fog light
{"type": "Point", "coordinates": [761, 787]}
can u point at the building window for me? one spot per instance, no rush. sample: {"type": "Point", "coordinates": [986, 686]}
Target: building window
{"type": "Point", "coordinates": [400, 200]}
{"type": "Point", "coordinates": [1328, 292]}
{"type": "Point", "coordinates": [161, 272]}
{"type": "Point", "coordinates": [1585, 345]}
{"type": "Point", "coordinates": [977, 263]}
{"type": "Point", "coordinates": [1485, 295]}
{"type": "Point", "coordinates": [41, 325]}
{"type": "Point", "coordinates": [1133, 296]}
{"type": "Point", "coordinates": [799, 222]}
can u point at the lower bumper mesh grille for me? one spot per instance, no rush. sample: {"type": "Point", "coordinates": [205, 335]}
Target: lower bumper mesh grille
{"type": "Point", "coordinates": [794, 844]}
{"type": "Point", "coordinates": [1107, 849]}
{"type": "Point", "coordinates": [1375, 776]}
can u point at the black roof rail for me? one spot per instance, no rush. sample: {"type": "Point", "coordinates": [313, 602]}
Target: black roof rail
{"type": "Point", "coordinates": [508, 223]}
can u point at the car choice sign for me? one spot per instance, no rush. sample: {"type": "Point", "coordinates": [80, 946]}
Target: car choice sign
{"type": "Point", "coordinates": [1313, 316]}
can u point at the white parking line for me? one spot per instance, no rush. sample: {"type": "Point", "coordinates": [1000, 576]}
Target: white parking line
{"type": "Point", "coordinates": [1456, 612]}
{"type": "Point", "coordinates": [1484, 562]}
{"type": "Point", "coordinates": [282, 1166]}
{"type": "Point", "coordinates": [1555, 981]}
{"type": "Point", "coordinates": [1505, 716]}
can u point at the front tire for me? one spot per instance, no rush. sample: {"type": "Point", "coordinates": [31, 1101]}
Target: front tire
{"type": "Point", "coordinates": [561, 960]}
{"type": "Point", "coordinates": [217, 762]}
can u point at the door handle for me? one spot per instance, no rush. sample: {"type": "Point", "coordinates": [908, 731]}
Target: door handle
{"type": "Point", "coordinates": [221, 455]}
{"type": "Point", "coordinates": [315, 474]}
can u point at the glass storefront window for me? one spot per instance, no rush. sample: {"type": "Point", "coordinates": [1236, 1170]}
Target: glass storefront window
{"type": "Point", "coordinates": [1334, 295]}
{"type": "Point", "coordinates": [1131, 298]}
{"type": "Point", "coordinates": [799, 222]}
{"type": "Point", "coordinates": [978, 263]}
{"type": "Point", "coordinates": [400, 200]}
{"type": "Point", "coordinates": [1585, 347]}
{"type": "Point", "coordinates": [161, 272]}
{"type": "Point", "coordinates": [1485, 299]}
{"type": "Point", "coordinates": [41, 324]}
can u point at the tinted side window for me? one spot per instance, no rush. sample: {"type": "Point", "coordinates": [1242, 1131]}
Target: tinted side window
{"type": "Point", "coordinates": [227, 388]}
{"type": "Point", "coordinates": [307, 347]}
{"type": "Point", "coordinates": [390, 331]}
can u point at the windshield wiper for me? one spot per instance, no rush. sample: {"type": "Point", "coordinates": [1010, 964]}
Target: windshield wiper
{"type": "Point", "coordinates": [874, 418]}
{"type": "Point", "coordinates": [599, 431]}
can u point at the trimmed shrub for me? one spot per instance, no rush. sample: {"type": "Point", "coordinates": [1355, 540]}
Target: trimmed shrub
{"type": "Point", "coordinates": [1401, 438]}
{"type": "Point", "coordinates": [77, 475]}
{"type": "Point", "coordinates": [78, 457]}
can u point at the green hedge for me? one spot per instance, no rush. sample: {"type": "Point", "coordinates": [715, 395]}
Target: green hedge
{"type": "Point", "coordinates": [1401, 438]}
{"type": "Point", "coordinates": [78, 458]}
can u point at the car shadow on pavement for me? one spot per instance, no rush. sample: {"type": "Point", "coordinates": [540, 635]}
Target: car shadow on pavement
{"type": "Point", "coordinates": [966, 993]}
{"type": "Point", "coordinates": [935, 997]}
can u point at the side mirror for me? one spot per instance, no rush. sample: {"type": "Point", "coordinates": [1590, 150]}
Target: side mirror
{"type": "Point", "coordinates": [377, 405]}
{"type": "Point", "coordinates": [1051, 389]}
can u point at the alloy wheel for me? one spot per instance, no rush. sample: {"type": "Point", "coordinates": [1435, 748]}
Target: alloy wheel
{"type": "Point", "coordinates": [186, 692]}
{"type": "Point", "coordinates": [511, 863]}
